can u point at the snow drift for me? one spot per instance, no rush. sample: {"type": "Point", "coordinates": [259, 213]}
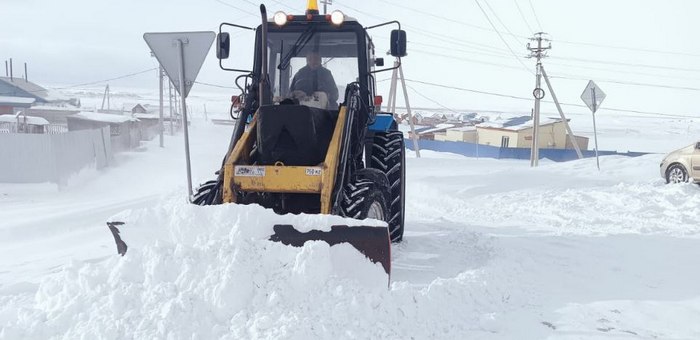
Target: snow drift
{"type": "Point", "coordinates": [212, 274]}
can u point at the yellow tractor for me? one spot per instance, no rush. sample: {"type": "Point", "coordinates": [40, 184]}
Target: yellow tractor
{"type": "Point", "coordinates": [309, 135]}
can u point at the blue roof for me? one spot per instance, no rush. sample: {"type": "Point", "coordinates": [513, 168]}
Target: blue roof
{"type": "Point", "coordinates": [517, 121]}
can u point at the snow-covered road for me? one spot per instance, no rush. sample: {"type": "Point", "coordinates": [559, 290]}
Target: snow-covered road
{"type": "Point", "coordinates": [493, 250]}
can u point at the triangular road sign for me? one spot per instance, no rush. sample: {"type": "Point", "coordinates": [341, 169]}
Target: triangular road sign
{"type": "Point", "coordinates": [593, 96]}
{"type": "Point", "coordinates": [165, 48]}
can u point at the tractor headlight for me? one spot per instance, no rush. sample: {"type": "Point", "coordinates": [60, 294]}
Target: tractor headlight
{"type": "Point", "coordinates": [280, 18]}
{"type": "Point", "coordinates": [337, 18]}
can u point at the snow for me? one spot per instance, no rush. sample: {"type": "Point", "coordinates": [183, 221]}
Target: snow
{"type": "Point", "coordinates": [493, 249]}
{"type": "Point", "coordinates": [22, 119]}
{"type": "Point", "coordinates": [16, 100]}
{"type": "Point", "coordinates": [518, 127]}
{"type": "Point", "coordinates": [104, 117]}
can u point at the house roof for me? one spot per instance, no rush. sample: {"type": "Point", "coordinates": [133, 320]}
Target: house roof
{"type": "Point", "coordinates": [30, 88]}
{"type": "Point", "coordinates": [517, 124]}
{"type": "Point", "coordinates": [146, 116]}
{"type": "Point", "coordinates": [130, 106]}
{"type": "Point", "coordinates": [463, 128]}
{"type": "Point", "coordinates": [437, 128]}
{"type": "Point", "coordinates": [17, 100]}
{"type": "Point", "coordinates": [29, 119]}
{"type": "Point", "coordinates": [103, 117]}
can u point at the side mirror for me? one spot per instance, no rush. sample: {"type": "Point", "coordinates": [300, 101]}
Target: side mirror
{"type": "Point", "coordinates": [223, 45]}
{"type": "Point", "coordinates": [398, 43]}
{"type": "Point", "coordinates": [697, 146]}
{"type": "Point", "coordinates": [379, 62]}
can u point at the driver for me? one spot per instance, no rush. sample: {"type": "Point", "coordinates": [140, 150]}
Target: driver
{"type": "Point", "coordinates": [314, 77]}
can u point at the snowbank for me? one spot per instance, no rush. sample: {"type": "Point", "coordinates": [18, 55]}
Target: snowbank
{"type": "Point", "coordinates": [211, 273]}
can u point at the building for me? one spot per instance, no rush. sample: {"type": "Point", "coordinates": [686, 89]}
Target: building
{"type": "Point", "coordinates": [431, 132]}
{"type": "Point", "coordinates": [135, 108]}
{"type": "Point", "coordinates": [517, 133]}
{"type": "Point", "coordinates": [12, 105]}
{"type": "Point", "coordinates": [459, 134]}
{"type": "Point", "coordinates": [19, 123]}
{"type": "Point", "coordinates": [20, 87]}
{"type": "Point", "coordinates": [55, 114]}
{"type": "Point", "coordinates": [124, 130]}
{"type": "Point", "coordinates": [148, 125]}
{"type": "Point", "coordinates": [45, 104]}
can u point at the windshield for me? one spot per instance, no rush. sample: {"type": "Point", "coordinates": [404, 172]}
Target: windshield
{"type": "Point", "coordinates": [310, 64]}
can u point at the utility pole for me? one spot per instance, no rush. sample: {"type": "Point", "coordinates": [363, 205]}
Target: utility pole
{"type": "Point", "coordinates": [170, 106]}
{"type": "Point", "coordinates": [538, 52]}
{"type": "Point", "coordinates": [391, 105]}
{"type": "Point", "coordinates": [160, 104]}
{"type": "Point", "coordinates": [325, 3]}
{"type": "Point", "coordinates": [104, 98]}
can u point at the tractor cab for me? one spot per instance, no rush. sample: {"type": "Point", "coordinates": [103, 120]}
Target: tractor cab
{"type": "Point", "coordinates": [310, 59]}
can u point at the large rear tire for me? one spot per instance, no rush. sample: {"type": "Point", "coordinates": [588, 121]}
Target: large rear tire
{"type": "Point", "coordinates": [207, 194]}
{"type": "Point", "coordinates": [364, 198]}
{"type": "Point", "coordinates": [389, 156]}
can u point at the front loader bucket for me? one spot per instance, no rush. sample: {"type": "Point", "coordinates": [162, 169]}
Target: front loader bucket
{"type": "Point", "coordinates": [371, 241]}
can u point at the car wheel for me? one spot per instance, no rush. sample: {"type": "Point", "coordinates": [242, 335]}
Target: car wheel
{"type": "Point", "coordinates": [676, 173]}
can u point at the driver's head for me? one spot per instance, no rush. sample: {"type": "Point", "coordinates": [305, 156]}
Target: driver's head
{"type": "Point", "coordinates": [313, 60]}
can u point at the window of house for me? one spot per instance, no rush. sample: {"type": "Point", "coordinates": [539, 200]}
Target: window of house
{"type": "Point", "coordinates": [504, 141]}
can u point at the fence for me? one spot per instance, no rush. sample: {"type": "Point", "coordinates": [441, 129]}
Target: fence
{"type": "Point", "coordinates": [488, 151]}
{"type": "Point", "coordinates": [37, 158]}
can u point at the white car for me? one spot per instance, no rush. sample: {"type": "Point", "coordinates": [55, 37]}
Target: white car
{"type": "Point", "coordinates": [682, 165]}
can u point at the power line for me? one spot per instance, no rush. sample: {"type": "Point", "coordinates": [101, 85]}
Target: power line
{"type": "Point", "coordinates": [215, 85]}
{"type": "Point", "coordinates": [235, 7]}
{"type": "Point", "coordinates": [444, 18]}
{"type": "Point", "coordinates": [469, 60]}
{"type": "Point", "coordinates": [106, 80]}
{"type": "Point", "coordinates": [535, 13]}
{"type": "Point", "coordinates": [283, 4]}
{"type": "Point", "coordinates": [564, 75]}
{"type": "Point", "coordinates": [430, 99]}
{"type": "Point", "coordinates": [575, 77]}
{"type": "Point", "coordinates": [403, 6]}
{"type": "Point", "coordinates": [523, 16]}
{"type": "Point", "coordinates": [500, 36]}
{"type": "Point", "coordinates": [595, 61]}
{"type": "Point", "coordinates": [624, 71]}
{"type": "Point", "coordinates": [647, 50]}
{"type": "Point", "coordinates": [499, 18]}
{"type": "Point", "coordinates": [90, 83]}
{"type": "Point", "coordinates": [530, 99]}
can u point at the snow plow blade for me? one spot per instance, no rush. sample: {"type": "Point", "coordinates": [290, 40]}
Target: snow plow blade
{"type": "Point", "coordinates": [121, 245]}
{"type": "Point", "coordinates": [371, 241]}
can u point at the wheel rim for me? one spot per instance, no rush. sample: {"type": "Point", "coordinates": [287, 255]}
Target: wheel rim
{"type": "Point", "coordinates": [676, 175]}
{"type": "Point", "coordinates": [375, 211]}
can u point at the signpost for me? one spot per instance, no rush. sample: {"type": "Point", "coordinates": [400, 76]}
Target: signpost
{"type": "Point", "coordinates": [593, 96]}
{"type": "Point", "coordinates": [181, 55]}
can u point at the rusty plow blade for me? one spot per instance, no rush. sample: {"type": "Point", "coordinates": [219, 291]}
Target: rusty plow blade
{"type": "Point", "coordinates": [371, 241]}
{"type": "Point", "coordinates": [121, 245]}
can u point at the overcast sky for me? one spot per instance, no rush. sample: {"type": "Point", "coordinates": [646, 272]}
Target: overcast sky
{"type": "Point", "coordinates": [616, 43]}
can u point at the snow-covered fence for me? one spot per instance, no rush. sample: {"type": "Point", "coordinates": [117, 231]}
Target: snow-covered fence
{"type": "Point", "coordinates": [36, 158]}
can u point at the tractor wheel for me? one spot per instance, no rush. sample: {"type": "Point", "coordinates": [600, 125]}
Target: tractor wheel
{"type": "Point", "coordinates": [389, 156]}
{"type": "Point", "coordinates": [364, 198]}
{"type": "Point", "coordinates": [207, 194]}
